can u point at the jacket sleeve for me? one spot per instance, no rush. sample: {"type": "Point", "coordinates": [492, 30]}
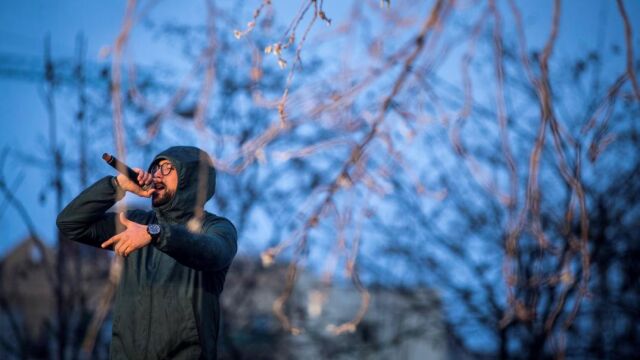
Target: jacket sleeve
{"type": "Point", "coordinates": [211, 249]}
{"type": "Point", "coordinates": [85, 219]}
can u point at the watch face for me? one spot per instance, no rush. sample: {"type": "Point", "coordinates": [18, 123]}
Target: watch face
{"type": "Point", "coordinates": [154, 229]}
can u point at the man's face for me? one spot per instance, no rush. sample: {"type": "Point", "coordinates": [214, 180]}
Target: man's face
{"type": "Point", "coordinates": [165, 181]}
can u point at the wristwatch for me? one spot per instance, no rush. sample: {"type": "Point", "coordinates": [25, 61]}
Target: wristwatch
{"type": "Point", "coordinates": [154, 231]}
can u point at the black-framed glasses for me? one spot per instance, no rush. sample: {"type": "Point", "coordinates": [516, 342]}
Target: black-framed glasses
{"type": "Point", "coordinates": [165, 169]}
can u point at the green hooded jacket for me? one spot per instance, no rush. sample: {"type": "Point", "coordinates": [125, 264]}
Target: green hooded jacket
{"type": "Point", "coordinates": [167, 303]}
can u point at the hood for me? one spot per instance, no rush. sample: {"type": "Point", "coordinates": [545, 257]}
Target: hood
{"type": "Point", "coordinates": [195, 169]}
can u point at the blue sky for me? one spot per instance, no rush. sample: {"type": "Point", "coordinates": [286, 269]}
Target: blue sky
{"type": "Point", "coordinates": [25, 24]}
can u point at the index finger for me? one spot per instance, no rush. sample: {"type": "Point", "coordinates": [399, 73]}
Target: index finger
{"type": "Point", "coordinates": [111, 241]}
{"type": "Point", "coordinates": [140, 173]}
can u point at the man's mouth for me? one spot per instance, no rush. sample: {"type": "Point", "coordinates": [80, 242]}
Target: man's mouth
{"type": "Point", "coordinates": [159, 187]}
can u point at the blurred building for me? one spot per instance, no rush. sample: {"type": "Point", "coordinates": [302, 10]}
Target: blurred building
{"type": "Point", "coordinates": [29, 293]}
{"type": "Point", "coordinates": [399, 323]}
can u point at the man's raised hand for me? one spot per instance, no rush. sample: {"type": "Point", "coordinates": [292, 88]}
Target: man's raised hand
{"type": "Point", "coordinates": [134, 237]}
{"type": "Point", "coordinates": [144, 178]}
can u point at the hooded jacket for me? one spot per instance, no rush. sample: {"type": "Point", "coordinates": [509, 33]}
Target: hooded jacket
{"type": "Point", "coordinates": [167, 303]}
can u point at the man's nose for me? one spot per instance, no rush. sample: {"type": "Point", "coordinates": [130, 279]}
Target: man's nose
{"type": "Point", "coordinates": [157, 175]}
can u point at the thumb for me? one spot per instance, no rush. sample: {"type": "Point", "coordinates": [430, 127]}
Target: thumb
{"type": "Point", "coordinates": [148, 192]}
{"type": "Point", "coordinates": [124, 220]}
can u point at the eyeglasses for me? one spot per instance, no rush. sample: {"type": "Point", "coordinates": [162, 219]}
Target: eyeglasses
{"type": "Point", "coordinates": [165, 169]}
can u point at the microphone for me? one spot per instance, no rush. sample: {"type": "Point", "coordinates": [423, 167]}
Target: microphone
{"type": "Point", "coordinates": [123, 169]}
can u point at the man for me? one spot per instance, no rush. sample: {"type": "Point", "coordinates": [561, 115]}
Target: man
{"type": "Point", "coordinates": [166, 306]}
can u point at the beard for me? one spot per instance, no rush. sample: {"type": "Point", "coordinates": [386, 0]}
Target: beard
{"type": "Point", "coordinates": [161, 197]}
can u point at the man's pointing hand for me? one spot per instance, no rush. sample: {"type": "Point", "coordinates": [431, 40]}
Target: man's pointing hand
{"type": "Point", "coordinates": [134, 237]}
